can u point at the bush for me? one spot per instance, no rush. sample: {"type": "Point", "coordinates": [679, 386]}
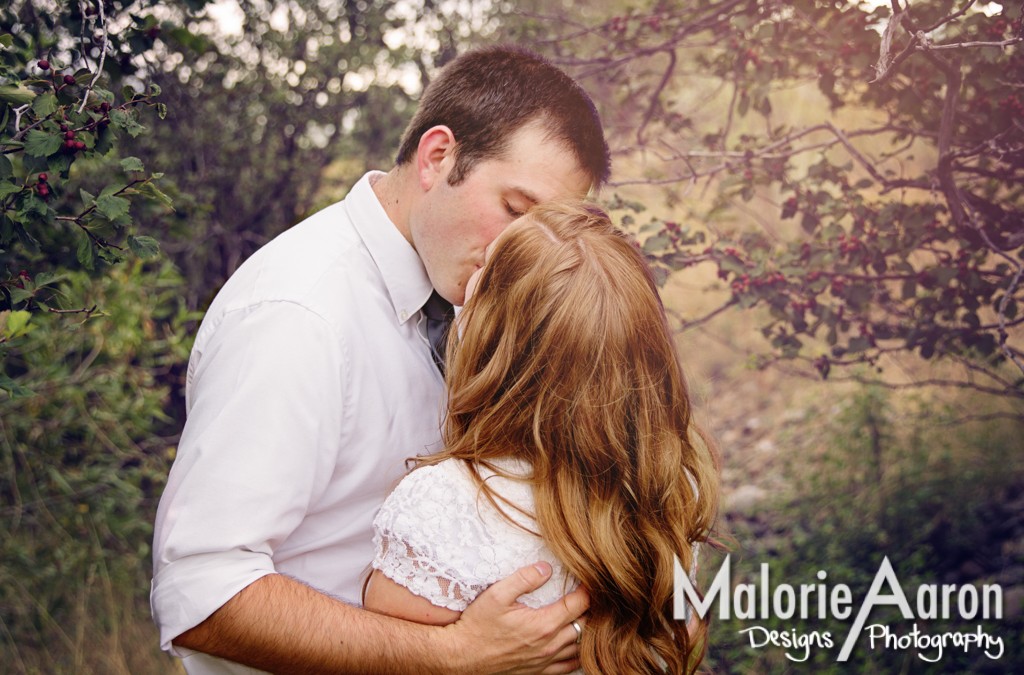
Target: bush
{"type": "Point", "coordinates": [942, 503]}
{"type": "Point", "coordinates": [83, 463]}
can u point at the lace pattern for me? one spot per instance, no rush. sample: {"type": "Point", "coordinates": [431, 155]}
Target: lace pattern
{"type": "Point", "coordinates": [438, 537]}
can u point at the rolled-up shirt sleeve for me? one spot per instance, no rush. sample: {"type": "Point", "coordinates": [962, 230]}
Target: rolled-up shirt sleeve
{"type": "Point", "coordinates": [266, 408]}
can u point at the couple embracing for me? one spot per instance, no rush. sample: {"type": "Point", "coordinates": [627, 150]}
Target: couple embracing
{"type": "Point", "coordinates": [556, 471]}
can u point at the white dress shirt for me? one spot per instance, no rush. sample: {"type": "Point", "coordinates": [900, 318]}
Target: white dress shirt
{"type": "Point", "coordinates": [309, 384]}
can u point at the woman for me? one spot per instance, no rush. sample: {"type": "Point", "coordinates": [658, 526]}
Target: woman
{"type": "Point", "coordinates": [568, 439]}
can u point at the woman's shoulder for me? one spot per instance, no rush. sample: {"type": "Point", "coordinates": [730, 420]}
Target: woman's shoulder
{"type": "Point", "coordinates": [508, 477]}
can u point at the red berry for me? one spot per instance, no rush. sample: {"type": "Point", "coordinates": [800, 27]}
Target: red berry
{"type": "Point", "coordinates": [44, 64]}
{"type": "Point", "coordinates": [69, 79]}
{"type": "Point", "coordinates": [69, 135]}
{"type": "Point", "coordinates": [43, 190]}
{"type": "Point", "coordinates": [43, 178]}
{"type": "Point", "coordinates": [79, 145]}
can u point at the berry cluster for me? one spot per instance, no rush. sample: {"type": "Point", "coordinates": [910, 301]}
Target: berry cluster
{"type": "Point", "coordinates": [66, 79]}
{"type": "Point", "coordinates": [71, 144]}
{"type": "Point", "coordinates": [42, 186]}
{"type": "Point", "coordinates": [1013, 105]}
{"type": "Point", "coordinates": [744, 283]}
{"type": "Point", "coordinates": [997, 28]}
{"type": "Point", "coordinates": [803, 305]}
{"type": "Point", "coordinates": [749, 56]}
{"type": "Point", "coordinates": [848, 245]}
{"type": "Point", "coordinates": [674, 232]}
{"type": "Point", "coordinates": [653, 22]}
{"type": "Point", "coordinates": [618, 24]}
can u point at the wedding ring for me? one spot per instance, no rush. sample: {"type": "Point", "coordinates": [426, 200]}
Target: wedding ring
{"type": "Point", "coordinates": [579, 631]}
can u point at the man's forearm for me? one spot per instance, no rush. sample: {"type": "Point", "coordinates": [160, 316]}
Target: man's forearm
{"type": "Point", "coordinates": [283, 626]}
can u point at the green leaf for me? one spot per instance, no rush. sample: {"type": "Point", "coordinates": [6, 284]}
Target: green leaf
{"type": "Point", "coordinates": [656, 243]}
{"type": "Point", "coordinates": [132, 164]}
{"type": "Point", "coordinates": [144, 247]}
{"type": "Point", "coordinates": [47, 278]}
{"type": "Point", "coordinates": [87, 198]}
{"type": "Point", "coordinates": [41, 144]}
{"type": "Point", "coordinates": [104, 141]}
{"type": "Point", "coordinates": [16, 94]}
{"type": "Point", "coordinates": [126, 121]}
{"type": "Point", "coordinates": [161, 110]}
{"type": "Point", "coordinates": [18, 296]}
{"type": "Point", "coordinates": [13, 389]}
{"type": "Point", "coordinates": [112, 207]}
{"type": "Point", "coordinates": [45, 104]}
{"type": "Point", "coordinates": [8, 189]}
{"type": "Point", "coordinates": [859, 344]}
{"type": "Point", "coordinates": [151, 191]}
{"type": "Point", "coordinates": [60, 164]}
{"type": "Point", "coordinates": [6, 40]}
{"type": "Point", "coordinates": [16, 323]}
{"type": "Point", "coordinates": [103, 95]}
{"type": "Point", "coordinates": [6, 169]}
{"type": "Point", "coordinates": [943, 275]}
{"type": "Point", "coordinates": [86, 251]}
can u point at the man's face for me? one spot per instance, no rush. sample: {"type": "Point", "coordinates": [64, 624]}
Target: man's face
{"type": "Point", "coordinates": [455, 224]}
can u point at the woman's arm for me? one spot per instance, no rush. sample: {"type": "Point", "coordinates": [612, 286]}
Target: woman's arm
{"type": "Point", "coordinates": [384, 596]}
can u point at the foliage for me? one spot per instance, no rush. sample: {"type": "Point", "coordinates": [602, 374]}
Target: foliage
{"type": "Point", "coordinates": [60, 121]}
{"type": "Point", "coordinates": [300, 85]}
{"type": "Point", "coordinates": [943, 503]}
{"type": "Point", "coordinates": [83, 459]}
{"type": "Point", "coordinates": [907, 191]}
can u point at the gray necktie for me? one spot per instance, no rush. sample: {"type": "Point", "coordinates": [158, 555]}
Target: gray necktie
{"type": "Point", "coordinates": [439, 313]}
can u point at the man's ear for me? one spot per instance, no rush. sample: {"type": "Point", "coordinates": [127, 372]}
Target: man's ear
{"type": "Point", "coordinates": [435, 156]}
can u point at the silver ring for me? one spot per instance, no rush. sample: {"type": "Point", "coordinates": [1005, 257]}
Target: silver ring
{"type": "Point", "coordinates": [579, 631]}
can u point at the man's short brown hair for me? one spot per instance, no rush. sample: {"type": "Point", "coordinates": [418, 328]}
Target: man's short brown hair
{"type": "Point", "coordinates": [484, 96]}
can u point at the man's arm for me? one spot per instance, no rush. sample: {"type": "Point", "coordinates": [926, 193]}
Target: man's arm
{"type": "Point", "coordinates": [281, 625]}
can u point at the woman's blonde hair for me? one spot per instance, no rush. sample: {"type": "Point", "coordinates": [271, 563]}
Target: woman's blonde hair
{"type": "Point", "coordinates": [566, 361]}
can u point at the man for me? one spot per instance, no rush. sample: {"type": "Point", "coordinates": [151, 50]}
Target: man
{"type": "Point", "coordinates": [312, 379]}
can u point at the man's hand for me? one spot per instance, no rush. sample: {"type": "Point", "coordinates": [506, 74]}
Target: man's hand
{"type": "Point", "coordinates": [500, 635]}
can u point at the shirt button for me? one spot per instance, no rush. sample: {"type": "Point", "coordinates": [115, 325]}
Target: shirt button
{"type": "Point", "coordinates": [403, 315]}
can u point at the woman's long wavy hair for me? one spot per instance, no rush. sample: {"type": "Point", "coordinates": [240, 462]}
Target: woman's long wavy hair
{"type": "Point", "coordinates": [566, 360]}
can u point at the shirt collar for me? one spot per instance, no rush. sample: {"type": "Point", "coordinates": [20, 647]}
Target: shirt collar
{"type": "Point", "coordinates": [400, 266]}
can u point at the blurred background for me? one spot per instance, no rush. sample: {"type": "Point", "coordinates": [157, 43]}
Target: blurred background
{"type": "Point", "coordinates": [830, 193]}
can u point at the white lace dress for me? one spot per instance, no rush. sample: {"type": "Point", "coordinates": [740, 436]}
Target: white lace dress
{"type": "Point", "coordinates": [437, 536]}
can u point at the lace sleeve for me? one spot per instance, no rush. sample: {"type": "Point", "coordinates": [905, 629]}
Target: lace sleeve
{"type": "Point", "coordinates": [436, 538]}
{"type": "Point", "coordinates": [424, 536]}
